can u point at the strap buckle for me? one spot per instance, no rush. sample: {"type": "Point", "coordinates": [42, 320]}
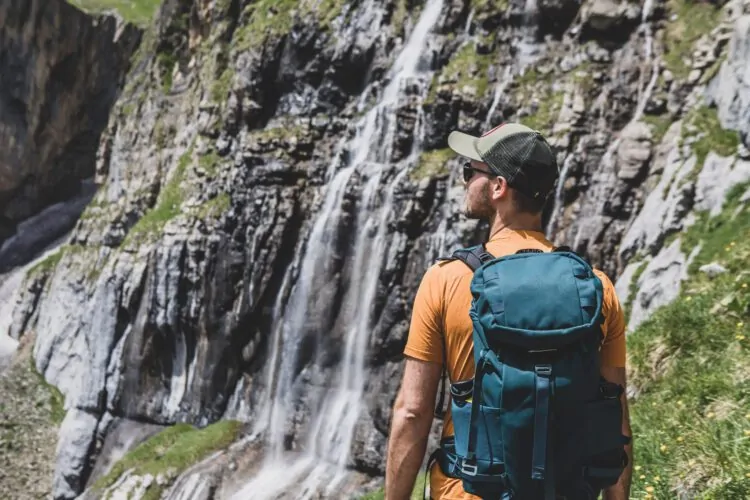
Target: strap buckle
{"type": "Point", "coordinates": [543, 370]}
{"type": "Point", "coordinates": [468, 469]}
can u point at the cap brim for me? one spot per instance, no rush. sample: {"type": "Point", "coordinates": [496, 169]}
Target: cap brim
{"type": "Point", "coordinates": [464, 144]}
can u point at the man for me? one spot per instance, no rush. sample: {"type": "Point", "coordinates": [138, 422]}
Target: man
{"type": "Point", "coordinates": [511, 173]}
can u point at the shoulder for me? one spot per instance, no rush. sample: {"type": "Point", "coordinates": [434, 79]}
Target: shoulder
{"type": "Point", "coordinates": [446, 271]}
{"type": "Point", "coordinates": [607, 285]}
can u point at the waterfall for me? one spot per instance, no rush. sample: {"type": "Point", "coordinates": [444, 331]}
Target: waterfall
{"type": "Point", "coordinates": [334, 418]}
{"type": "Point", "coordinates": [644, 94]}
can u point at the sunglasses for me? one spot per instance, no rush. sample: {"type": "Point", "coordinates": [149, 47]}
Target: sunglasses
{"type": "Point", "coordinates": [469, 171]}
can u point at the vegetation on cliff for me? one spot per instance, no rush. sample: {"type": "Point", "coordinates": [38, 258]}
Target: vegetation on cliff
{"type": "Point", "coordinates": [690, 367]}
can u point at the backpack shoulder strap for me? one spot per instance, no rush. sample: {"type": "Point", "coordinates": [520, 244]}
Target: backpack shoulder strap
{"type": "Point", "coordinates": [473, 257]}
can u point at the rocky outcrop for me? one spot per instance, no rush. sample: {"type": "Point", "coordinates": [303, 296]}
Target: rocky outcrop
{"type": "Point", "coordinates": [60, 74]}
{"type": "Point", "coordinates": [730, 90]}
{"type": "Point", "coordinates": [272, 183]}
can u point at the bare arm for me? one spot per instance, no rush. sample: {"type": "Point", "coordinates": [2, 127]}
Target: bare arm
{"type": "Point", "coordinates": [410, 427]}
{"type": "Point", "coordinates": [621, 490]}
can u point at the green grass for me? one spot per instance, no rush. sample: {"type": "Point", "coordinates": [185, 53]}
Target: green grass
{"type": "Point", "coordinates": [416, 494]}
{"type": "Point", "coordinates": [47, 264]}
{"type": "Point", "coordinates": [167, 204]}
{"type": "Point", "coordinates": [172, 451]}
{"type": "Point", "coordinates": [694, 19]}
{"type": "Point", "coordinates": [712, 136]}
{"type": "Point", "coordinates": [486, 6]}
{"type": "Point", "coordinates": [467, 68]}
{"type": "Point", "coordinates": [272, 18]}
{"type": "Point", "coordinates": [690, 364]}
{"type": "Point", "coordinates": [544, 116]}
{"type": "Point", "coordinates": [215, 206]}
{"type": "Point", "coordinates": [138, 12]}
{"type": "Point", "coordinates": [210, 163]}
{"type": "Point", "coordinates": [56, 398]}
{"type": "Point", "coordinates": [431, 164]}
{"type": "Point", "coordinates": [659, 125]}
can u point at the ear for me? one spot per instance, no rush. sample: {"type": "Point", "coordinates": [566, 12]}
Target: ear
{"type": "Point", "coordinates": [500, 188]}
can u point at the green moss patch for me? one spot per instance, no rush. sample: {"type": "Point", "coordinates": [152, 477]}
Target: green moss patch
{"type": "Point", "coordinates": [659, 125]}
{"type": "Point", "coordinates": [690, 363]}
{"type": "Point", "coordinates": [172, 451]}
{"type": "Point", "coordinates": [431, 164]}
{"type": "Point", "coordinates": [47, 264]}
{"type": "Point", "coordinates": [466, 70]}
{"type": "Point", "coordinates": [694, 19]}
{"type": "Point", "coordinates": [138, 12]}
{"type": "Point", "coordinates": [272, 18]}
{"type": "Point", "coordinates": [167, 205]}
{"type": "Point", "coordinates": [712, 137]}
{"type": "Point", "coordinates": [544, 116]}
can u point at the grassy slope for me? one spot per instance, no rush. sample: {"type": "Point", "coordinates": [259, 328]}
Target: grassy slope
{"type": "Point", "coordinates": [136, 11]}
{"type": "Point", "coordinates": [172, 451]}
{"type": "Point", "coordinates": [690, 363]}
{"type": "Point", "coordinates": [416, 494]}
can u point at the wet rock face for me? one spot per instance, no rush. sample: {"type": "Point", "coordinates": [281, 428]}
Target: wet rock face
{"type": "Point", "coordinates": [222, 151]}
{"type": "Point", "coordinates": [60, 73]}
{"type": "Point", "coordinates": [730, 90]}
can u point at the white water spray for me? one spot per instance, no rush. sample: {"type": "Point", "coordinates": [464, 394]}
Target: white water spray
{"type": "Point", "coordinates": [322, 465]}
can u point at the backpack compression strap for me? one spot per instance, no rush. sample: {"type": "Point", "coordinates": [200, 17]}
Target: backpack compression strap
{"type": "Point", "coordinates": [473, 257]}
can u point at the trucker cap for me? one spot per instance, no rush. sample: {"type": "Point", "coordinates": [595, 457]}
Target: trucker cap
{"type": "Point", "coordinates": [516, 152]}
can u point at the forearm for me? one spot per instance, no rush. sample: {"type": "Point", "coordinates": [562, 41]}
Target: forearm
{"type": "Point", "coordinates": [621, 490]}
{"type": "Point", "coordinates": [406, 450]}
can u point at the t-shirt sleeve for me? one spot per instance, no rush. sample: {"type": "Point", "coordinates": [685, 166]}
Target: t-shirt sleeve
{"type": "Point", "coordinates": [613, 351]}
{"type": "Point", "coordinates": [425, 340]}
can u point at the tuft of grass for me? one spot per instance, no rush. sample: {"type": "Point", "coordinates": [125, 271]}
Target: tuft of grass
{"type": "Point", "coordinates": [690, 365]}
{"type": "Point", "coordinates": [468, 68]}
{"type": "Point", "coordinates": [215, 206]}
{"type": "Point", "coordinates": [712, 137]}
{"type": "Point", "coordinates": [272, 18]}
{"type": "Point", "coordinates": [694, 19]}
{"type": "Point", "coordinates": [543, 117]}
{"type": "Point", "coordinates": [210, 163]}
{"type": "Point", "coordinates": [167, 205]}
{"type": "Point", "coordinates": [56, 398]}
{"type": "Point", "coordinates": [138, 12]}
{"type": "Point", "coordinates": [171, 451]}
{"type": "Point", "coordinates": [416, 494]}
{"type": "Point", "coordinates": [431, 164]}
{"type": "Point", "coordinates": [47, 264]}
{"type": "Point", "coordinates": [659, 125]}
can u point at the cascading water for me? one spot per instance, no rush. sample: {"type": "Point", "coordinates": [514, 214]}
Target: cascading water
{"type": "Point", "coordinates": [528, 50]}
{"type": "Point", "coordinates": [329, 439]}
{"type": "Point", "coordinates": [644, 94]}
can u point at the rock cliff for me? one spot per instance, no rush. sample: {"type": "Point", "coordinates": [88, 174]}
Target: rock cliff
{"type": "Point", "coordinates": [60, 74]}
{"type": "Point", "coordinates": [274, 180]}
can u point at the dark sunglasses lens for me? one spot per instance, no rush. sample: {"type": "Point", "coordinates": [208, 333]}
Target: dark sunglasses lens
{"type": "Point", "coordinates": [468, 173]}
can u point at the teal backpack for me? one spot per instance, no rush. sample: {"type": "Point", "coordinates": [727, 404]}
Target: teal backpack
{"type": "Point", "coordinates": [537, 421]}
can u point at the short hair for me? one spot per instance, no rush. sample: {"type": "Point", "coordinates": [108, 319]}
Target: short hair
{"type": "Point", "coordinates": [527, 204]}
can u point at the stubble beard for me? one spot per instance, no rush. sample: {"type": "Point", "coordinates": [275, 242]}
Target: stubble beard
{"type": "Point", "coordinates": [480, 208]}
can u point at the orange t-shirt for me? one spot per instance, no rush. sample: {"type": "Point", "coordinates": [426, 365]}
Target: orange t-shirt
{"type": "Point", "coordinates": [441, 310]}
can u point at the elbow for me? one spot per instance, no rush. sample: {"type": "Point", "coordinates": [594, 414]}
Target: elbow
{"type": "Point", "coordinates": [412, 415]}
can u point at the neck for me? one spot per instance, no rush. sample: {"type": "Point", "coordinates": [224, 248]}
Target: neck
{"type": "Point", "coordinates": [520, 222]}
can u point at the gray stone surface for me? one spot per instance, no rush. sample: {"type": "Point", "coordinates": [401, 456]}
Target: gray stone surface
{"type": "Point", "coordinates": [659, 284]}
{"type": "Point", "coordinates": [730, 90]}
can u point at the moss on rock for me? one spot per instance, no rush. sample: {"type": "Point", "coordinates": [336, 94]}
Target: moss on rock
{"type": "Point", "coordinates": [693, 20]}
{"type": "Point", "coordinates": [138, 12]}
{"type": "Point", "coordinates": [431, 164]}
{"type": "Point", "coordinates": [171, 451]}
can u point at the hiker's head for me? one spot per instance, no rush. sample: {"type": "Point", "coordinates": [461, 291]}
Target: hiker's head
{"type": "Point", "coordinates": [510, 171]}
